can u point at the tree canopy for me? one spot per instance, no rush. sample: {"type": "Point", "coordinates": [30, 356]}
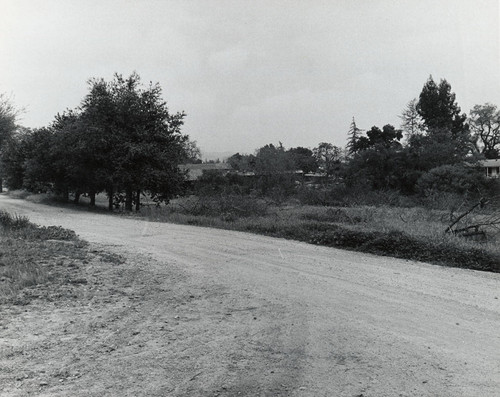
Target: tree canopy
{"type": "Point", "coordinates": [122, 139]}
{"type": "Point", "coordinates": [438, 108]}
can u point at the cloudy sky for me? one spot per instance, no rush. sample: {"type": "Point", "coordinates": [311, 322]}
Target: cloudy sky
{"type": "Point", "coordinates": [249, 73]}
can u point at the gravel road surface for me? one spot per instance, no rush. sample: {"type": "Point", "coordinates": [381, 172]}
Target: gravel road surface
{"type": "Point", "coordinates": [276, 317]}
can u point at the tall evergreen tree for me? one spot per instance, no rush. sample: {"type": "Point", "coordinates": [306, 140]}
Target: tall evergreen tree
{"type": "Point", "coordinates": [438, 108]}
{"type": "Point", "coordinates": [353, 136]}
{"type": "Point", "coordinates": [445, 126]}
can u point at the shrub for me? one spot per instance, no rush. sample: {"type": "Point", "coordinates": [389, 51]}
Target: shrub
{"type": "Point", "coordinates": [9, 221]}
{"type": "Point", "coordinates": [455, 179]}
{"type": "Point", "coordinates": [227, 207]}
{"type": "Point", "coordinates": [342, 195]}
{"type": "Point", "coordinates": [21, 227]}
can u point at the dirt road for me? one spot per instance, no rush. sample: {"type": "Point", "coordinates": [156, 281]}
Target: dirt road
{"type": "Point", "coordinates": [204, 312]}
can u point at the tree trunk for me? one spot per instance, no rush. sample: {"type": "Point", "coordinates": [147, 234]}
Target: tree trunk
{"type": "Point", "coordinates": [128, 199]}
{"type": "Point", "coordinates": [92, 199]}
{"type": "Point", "coordinates": [138, 201]}
{"type": "Point", "coordinates": [1, 185]}
{"type": "Point", "coordinates": [110, 198]}
{"type": "Point", "coordinates": [77, 197]}
{"type": "Point", "coordinates": [65, 195]}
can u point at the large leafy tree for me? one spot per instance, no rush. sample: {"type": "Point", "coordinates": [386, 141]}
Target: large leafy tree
{"type": "Point", "coordinates": [377, 159]}
{"type": "Point", "coordinates": [139, 142]}
{"type": "Point", "coordinates": [41, 173]}
{"type": "Point", "coordinates": [242, 162]}
{"type": "Point", "coordinates": [388, 137]}
{"type": "Point", "coordinates": [303, 159]}
{"type": "Point", "coordinates": [447, 136]}
{"type": "Point", "coordinates": [122, 140]}
{"type": "Point", "coordinates": [15, 152]}
{"type": "Point", "coordinates": [328, 157]}
{"type": "Point", "coordinates": [271, 159]}
{"type": "Point", "coordinates": [273, 167]}
{"type": "Point", "coordinates": [484, 122]}
{"type": "Point", "coordinates": [79, 145]}
{"type": "Point", "coordinates": [438, 108]}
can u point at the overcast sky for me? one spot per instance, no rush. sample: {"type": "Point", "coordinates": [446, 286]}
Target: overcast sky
{"type": "Point", "coordinates": [248, 73]}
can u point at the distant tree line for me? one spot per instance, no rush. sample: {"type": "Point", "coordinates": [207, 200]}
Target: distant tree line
{"type": "Point", "coordinates": [437, 153]}
{"type": "Point", "coordinates": [271, 159]}
{"type": "Point", "coordinates": [121, 140]}
{"type": "Point", "coordinates": [433, 151]}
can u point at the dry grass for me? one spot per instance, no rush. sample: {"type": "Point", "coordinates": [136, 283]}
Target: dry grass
{"type": "Point", "coordinates": [411, 233]}
{"type": "Point", "coordinates": [28, 252]}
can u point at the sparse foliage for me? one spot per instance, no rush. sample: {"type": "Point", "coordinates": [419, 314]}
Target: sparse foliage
{"type": "Point", "coordinates": [192, 152]}
{"type": "Point", "coordinates": [484, 122]}
{"type": "Point", "coordinates": [411, 121]}
{"type": "Point", "coordinates": [8, 126]}
{"type": "Point", "coordinates": [8, 118]}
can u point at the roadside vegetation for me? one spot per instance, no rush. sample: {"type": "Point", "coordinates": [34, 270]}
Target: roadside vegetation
{"type": "Point", "coordinates": [31, 255]}
{"type": "Point", "coordinates": [414, 233]}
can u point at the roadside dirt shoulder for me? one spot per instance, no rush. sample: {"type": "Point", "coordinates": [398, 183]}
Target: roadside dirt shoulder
{"type": "Point", "coordinates": [129, 325]}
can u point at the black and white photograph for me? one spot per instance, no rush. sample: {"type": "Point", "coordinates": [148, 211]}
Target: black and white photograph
{"type": "Point", "coordinates": [266, 198]}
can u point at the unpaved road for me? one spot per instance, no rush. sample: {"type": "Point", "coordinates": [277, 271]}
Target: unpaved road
{"type": "Point", "coordinates": [204, 312]}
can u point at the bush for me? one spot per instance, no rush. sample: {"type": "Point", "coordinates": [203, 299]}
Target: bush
{"type": "Point", "coordinates": [227, 207]}
{"type": "Point", "coordinates": [390, 243]}
{"type": "Point", "coordinates": [455, 179]}
{"type": "Point", "coordinates": [20, 226]}
{"type": "Point", "coordinates": [349, 196]}
{"type": "Point", "coordinates": [339, 215]}
{"type": "Point", "coordinates": [8, 221]}
{"type": "Point", "coordinates": [213, 183]}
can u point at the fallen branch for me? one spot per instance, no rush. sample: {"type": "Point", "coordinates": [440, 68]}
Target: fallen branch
{"type": "Point", "coordinates": [480, 204]}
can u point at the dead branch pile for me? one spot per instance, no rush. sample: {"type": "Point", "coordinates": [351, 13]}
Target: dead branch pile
{"type": "Point", "coordinates": [474, 223]}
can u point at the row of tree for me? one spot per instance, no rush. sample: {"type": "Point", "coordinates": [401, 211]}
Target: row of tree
{"type": "Point", "coordinates": [434, 148]}
{"type": "Point", "coordinates": [121, 140]}
{"type": "Point", "coordinates": [440, 147]}
{"type": "Point", "coordinates": [325, 158]}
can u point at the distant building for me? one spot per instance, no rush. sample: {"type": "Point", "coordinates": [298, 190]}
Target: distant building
{"type": "Point", "coordinates": [195, 171]}
{"type": "Point", "coordinates": [491, 168]}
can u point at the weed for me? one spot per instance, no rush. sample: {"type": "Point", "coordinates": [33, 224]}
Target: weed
{"type": "Point", "coordinates": [9, 221]}
{"type": "Point", "coordinates": [26, 250]}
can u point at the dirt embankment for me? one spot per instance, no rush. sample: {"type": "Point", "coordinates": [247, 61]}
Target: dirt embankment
{"type": "Point", "coordinates": [194, 311]}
